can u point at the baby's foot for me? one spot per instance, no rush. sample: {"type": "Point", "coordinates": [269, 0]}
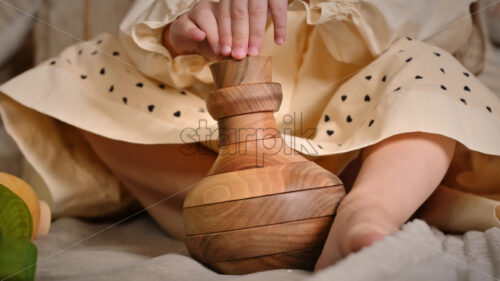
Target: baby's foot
{"type": "Point", "coordinates": [363, 240]}
{"type": "Point", "coordinates": [397, 175]}
{"type": "Point", "coordinates": [357, 225]}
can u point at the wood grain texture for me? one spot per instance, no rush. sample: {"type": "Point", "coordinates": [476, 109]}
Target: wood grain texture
{"type": "Point", "coordinates": [247, 127]}
{"type": "Point", "coordinates": [262, 204]}
{"type": "Point", "coordinates": [249, 70]}
{"type": "Point", "coordinates": [259, 241]}
{"type": "Point", "coordinates": [302, 259]}
{"type": "Point", "coordinates": [254, 154]}
{"type": "Point", "coordinates": [244, 99]}
{"type": "Point", "coordinates": [260, 182]}
{"type": "Point", "coordinates": [264, 210]}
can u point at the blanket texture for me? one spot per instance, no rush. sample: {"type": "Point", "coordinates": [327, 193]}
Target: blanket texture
{"type": "Point", "coordinates": [138, 250]}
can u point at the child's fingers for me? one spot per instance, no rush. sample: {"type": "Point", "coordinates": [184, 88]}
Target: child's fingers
{"type": "Point", "coordinates": [278, 12]}
{"type": "Point", "coordinates": [257, 10]}
{"type": "Point", "coordinates": [239, 26]}
{"type": "Point", "coordinates": [206, 21]}
{"type": "Point", "coordinates": [183, 27]}
{"type": "Point", "coordinates": [224, 22]}
{"type": "Point", "coordinates": [205, 50]}
{"type": "Point", "coordinates": [182, 36]}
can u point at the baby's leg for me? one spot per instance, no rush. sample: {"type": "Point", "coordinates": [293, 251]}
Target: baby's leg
{"type": "Point", "coordinates": [154, 173]}
{"type": "Point", "coordinates": [397, 175]}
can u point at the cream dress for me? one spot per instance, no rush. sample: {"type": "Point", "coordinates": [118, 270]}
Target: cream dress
{"type": "Point", "coordinates": [353, 73]}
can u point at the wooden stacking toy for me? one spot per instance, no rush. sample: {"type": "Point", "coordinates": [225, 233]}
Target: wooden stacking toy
{"type": "Point", "coordinates": [22, 218]}
{"type": "Point", "coordinates": [262, 205]}
{"type": "Point", "coordinates": [37, 221]}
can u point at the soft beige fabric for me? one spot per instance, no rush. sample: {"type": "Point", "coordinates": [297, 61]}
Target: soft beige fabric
{"type": "Point", "coordinates": [458, 211]}
{"type": "Point", "coordinates": [348, 72]}
{"type": "Point", "coordinates": [374, 25]}
{"type": "Point", "coordinates": [63, 23]}
{"type": "Point", "coordinates": [63, 157]}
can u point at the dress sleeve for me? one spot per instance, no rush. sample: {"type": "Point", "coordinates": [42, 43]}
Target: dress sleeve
{"type": "Point", "coordinates": [357, 30]}
{"type": "Point", "coordinates": [141, 35]}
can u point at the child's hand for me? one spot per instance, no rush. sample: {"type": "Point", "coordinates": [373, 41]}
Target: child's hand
{"type": "Point", "coordinates": [242, 24]}
{"type": "Point", "coordinates": [194, 32]}
{"type": "Point", "coordinates": [230, 27]}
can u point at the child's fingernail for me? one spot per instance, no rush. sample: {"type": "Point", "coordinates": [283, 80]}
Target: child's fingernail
{"type": "Point", "coordinates": [226, 50]}
{"type": "Point", "coordinates": [238, 52]}
{"type": "Point", "coordinates": [253, 51]}
{"type": "Point", "coordinates": [280, 41]}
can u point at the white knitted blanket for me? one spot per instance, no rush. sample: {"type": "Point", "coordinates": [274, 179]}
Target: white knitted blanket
{"type": "Point", "coordinates": [139, 250]}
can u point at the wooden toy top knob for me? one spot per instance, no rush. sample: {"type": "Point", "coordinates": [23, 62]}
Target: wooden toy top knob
{"type": "Point", "coordinates": [243, 87]}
